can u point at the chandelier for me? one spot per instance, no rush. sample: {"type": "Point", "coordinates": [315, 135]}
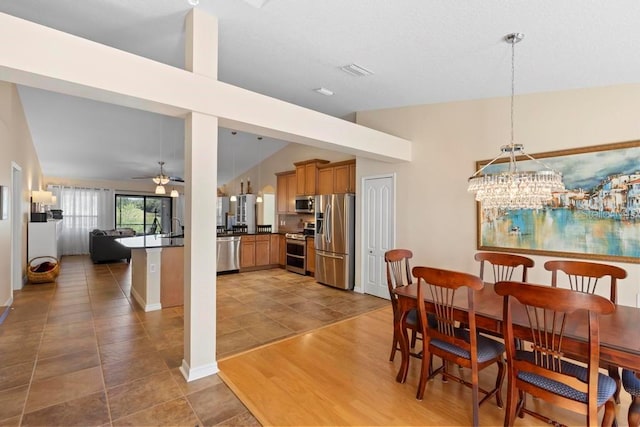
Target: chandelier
{"type": "Point", "coordinates": [514, 189]}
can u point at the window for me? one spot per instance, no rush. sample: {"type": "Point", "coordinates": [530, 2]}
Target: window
{"type": "Point", "coordinates": [145, 214]}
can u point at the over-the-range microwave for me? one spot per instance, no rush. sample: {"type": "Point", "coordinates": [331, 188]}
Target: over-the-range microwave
{"type": "Point", "coordinates": [304, 204]}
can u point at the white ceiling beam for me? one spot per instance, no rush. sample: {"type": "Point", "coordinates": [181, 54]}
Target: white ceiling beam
{"type": "Point", "coordinates": [41, 57]}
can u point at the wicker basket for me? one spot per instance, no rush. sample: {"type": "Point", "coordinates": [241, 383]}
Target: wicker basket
{"type": "Point", "coordinates": [44, 276]}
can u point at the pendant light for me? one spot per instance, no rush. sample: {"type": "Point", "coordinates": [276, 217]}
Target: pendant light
{"type": "Point", "coordinates": [514, 189]}
{"type": "Point", "coordinates": [233, 197]}
{"type": "Point", "coordinates": [259, 198]}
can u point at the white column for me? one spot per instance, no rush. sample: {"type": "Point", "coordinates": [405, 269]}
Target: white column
{"type": "Point", "coordinates": [201, 166]}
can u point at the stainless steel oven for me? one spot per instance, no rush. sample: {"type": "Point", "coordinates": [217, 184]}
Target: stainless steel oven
{"type": "Point", "coordinates": [296, 253]}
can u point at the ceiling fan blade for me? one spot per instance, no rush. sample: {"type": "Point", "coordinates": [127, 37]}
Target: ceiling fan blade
{"type": "Point", "coordinates": [176, 179]}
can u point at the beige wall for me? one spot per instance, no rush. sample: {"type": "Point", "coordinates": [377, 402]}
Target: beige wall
{"type": "Point", "coordinates": [16, 146]}
{"type": "Point", "coordinates": [435, 214]}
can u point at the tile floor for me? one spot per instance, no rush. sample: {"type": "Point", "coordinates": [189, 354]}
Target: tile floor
{"type": "Point", "coordinates": [79, 352]}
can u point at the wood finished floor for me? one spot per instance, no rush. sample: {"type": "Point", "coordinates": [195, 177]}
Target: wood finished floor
{"type": "Point", "coordinates": [340, 375]}
{"type": "Point", "coordinates": [80, 353]}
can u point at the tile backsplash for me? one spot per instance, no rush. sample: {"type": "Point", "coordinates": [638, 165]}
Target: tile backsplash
{"type": "Point", "coordinates": [293, 222]}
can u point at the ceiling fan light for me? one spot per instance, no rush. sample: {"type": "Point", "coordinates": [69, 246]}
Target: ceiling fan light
{"type": "Point", "coordinates": [156, 179]}
{"type": "Point", "coordinates": [174, 193]}
{"type": "Point", "coordinates": [160, 190]}
{"type": "Point", "coordinates": [164, 180]}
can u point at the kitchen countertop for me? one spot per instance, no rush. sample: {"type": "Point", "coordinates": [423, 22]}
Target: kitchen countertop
{"type": "Point", "coordinates": [151, 241]}
{"type": "Point", "coordinates": [166, 241]}
{"type": "Point", "coordinates": [247, 234]}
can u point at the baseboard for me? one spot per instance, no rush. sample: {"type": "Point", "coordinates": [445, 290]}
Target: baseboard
{"type": "Point", "coordinates": [143, 303]}
{"type": "Point", "coordinates": [192, 374]}
{"type": "Point", "coordinates": [5, 309]}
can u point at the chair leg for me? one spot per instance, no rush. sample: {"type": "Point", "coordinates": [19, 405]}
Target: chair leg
{"type": "Point", "coordinates": [522, 402]}
{"type": "Point", "coordinates": [394, 348]}
{"type": "Point", "coordinates": [614, 373]}
{"type": "Point", "coordinates": [512, 404]}
{"type": "Point", "coordinates": [475, 400]}
{"type": "Point", "coordinates": [634, 412]}
{"type": "Point", "coordinates": [609, 418]}
{"type": "Point", "coordinates": [499, 382]}
{"type": "Point", "coordinates": [414, 337]}
{"type": "Point", "coordinates": [424, 372]}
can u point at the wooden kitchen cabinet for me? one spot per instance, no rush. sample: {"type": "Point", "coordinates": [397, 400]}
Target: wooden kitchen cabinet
{"type": "Point", "coordinates": [291, 193]}
{"type": "Point", "coordinates": [283, 250]}
{"type": "Point", "coordinates": [344, 178]}
{"type": "Point", "coordinates": [307, 176]}
{"type": "Point", "coordinates": [274, 250]}
{"type": "Point", "coordinates": [247, 251]}
{"type": "Point", "coordinates": [263, 249]}
{"type": "Point", "coordinates": [311, 256]}
{"type": "Point", "coordinates": [286, 192]}
{"type": "Point", "coordinates": [325, 181]}
{"type": "Point", "coordinates": [339, 177]}
{"type": "Point", "coordinates": [259, 251]}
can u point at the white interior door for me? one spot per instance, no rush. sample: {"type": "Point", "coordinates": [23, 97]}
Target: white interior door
{"type": "Point", "coordinates": [16, 226]}
{"type": "Point", "coordinates": [378, 231]}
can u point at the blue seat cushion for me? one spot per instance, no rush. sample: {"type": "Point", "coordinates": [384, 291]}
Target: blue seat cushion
{"type": "Point", "coordinates": [487, 348]}
{"type": "Point", "coordinates": [412, 318]}
{"type": "Point", "coordinates": [630, 382]}
{"type": "Point", "coordinates": [606, 384]}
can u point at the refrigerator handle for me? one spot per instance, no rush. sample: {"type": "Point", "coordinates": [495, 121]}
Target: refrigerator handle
{"type": "Point", "coordinates": [323, 255]}
{"type": "Point", "coordinates": [328, 224]}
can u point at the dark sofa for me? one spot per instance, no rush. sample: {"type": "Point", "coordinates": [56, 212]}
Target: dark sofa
{"type": "Point", "coordinates": [104, 248]}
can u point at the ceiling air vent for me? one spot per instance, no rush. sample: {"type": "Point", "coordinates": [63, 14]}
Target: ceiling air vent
{"type": "Point", "coordinates": [356, 70]}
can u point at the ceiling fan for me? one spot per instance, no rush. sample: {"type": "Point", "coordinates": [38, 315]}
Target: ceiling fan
{"type": "Point", "coordinates": [161, 178]}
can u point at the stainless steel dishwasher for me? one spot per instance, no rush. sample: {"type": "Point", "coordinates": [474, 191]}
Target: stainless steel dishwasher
{"type": "Point", "coordinates": [228, 249]}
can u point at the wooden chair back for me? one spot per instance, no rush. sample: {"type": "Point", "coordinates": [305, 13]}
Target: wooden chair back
{"type": "Point", "coordinates": [440, 286]}
{"type": "Point", "coordinates": [503, 265]}
{"type": "Point", "coordinates": [399, 274]}
{"type": "Point", "coordinates": [550, 312]}
{"type": "Point", "coordinates": [584, 276]}
{"type": "Point", "coordinates": [398, 270]}
{"type": "Point", "coordinates": [441, 335]}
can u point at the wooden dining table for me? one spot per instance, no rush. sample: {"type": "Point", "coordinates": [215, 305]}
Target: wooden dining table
{"type": "Point", "coordinates": [619, 331]}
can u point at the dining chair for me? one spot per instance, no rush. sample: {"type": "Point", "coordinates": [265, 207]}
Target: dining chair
{"type": "Point", "coordinates": [445, 339]}
{"type": "Point", "coordinates": [631, 383]}
{"type": "Point", "coordinates": [399, 274]}
{"type": "Point", "coordinates": [585, 276]}
{"type": "Point", "coordinates": [544, 314]}
{"type": "Point", "coordinates": [503, 265]}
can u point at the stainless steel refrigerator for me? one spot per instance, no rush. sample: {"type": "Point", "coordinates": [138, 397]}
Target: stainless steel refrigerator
{"type": "Point", "coordinates": [335, 240]}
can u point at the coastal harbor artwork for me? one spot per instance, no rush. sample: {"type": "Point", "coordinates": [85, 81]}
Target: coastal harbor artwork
{"type": "Point", "coordinates": [597, 216]}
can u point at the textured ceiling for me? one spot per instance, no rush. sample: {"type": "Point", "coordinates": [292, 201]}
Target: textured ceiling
{"type": "Point", "coordinates": [421, 51]}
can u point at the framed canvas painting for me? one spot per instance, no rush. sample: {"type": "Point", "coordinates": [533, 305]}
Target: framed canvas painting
{"type": "Point", "coordinates": [596, 217]}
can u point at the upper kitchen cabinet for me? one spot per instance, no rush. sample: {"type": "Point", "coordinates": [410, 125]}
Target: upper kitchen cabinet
{"type": "Point", "coordinates": [286, 191]}
{"type": "Point", "coordinates": [307, 176]}
{"type": "Point", "coordinates": [339, 177]}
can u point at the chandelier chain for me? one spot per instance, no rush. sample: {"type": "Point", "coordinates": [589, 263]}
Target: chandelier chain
{"type": "Point", "coordinates": [513, 84]}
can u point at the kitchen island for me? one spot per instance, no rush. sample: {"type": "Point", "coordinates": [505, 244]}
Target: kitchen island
{"type": "Point", "coordinates": [157, 270]}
